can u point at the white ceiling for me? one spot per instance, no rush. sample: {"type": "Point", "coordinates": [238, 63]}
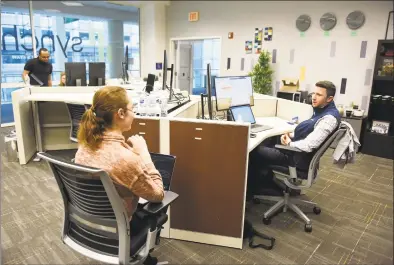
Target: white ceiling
{"type": "Point", "coordinates": [91, 10]}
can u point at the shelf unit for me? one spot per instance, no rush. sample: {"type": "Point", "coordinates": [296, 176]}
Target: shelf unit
{"type": "Point", "coordinates": [374, 143]}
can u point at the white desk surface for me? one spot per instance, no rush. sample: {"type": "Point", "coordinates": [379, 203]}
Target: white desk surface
{"type": "Point", "coordinates": [281, 126]}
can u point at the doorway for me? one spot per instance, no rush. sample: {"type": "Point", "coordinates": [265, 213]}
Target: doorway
{"type": "Point", "coordinates": [191, 57]}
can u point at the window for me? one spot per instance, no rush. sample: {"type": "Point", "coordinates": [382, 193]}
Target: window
{"type": "Point", "coordinates": [67, 39]}
{"type": "Point", "coordinates": [204, 52]}
{"type": "Point", "coordinates": [132, 41]}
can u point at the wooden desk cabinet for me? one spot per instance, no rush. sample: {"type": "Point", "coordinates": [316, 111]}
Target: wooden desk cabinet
{"type": "Point", "coordinates": [149, 129]}
{"type": "Point", "coordinates": [209, 177]}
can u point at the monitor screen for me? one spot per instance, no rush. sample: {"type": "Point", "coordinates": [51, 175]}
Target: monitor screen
{"type": "Point", "coordinates": [165, 71]}
{"type": "Point", "coordinates": [74, 72]}
{"type": "Point", "coordinates": [242, 113]}
{"type": "Point", "coordinates": [233, 91]}
{"type": "Point", "coordinates": [97, 71]}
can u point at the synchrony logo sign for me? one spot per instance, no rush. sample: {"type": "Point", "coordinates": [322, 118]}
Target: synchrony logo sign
{"type": "Point", "coordinates": [75, 46]}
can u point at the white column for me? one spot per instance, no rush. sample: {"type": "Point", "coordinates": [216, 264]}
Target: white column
{"type": "Point", "coordinates": [115, 48]}
{"type": "Point", "coordinates": [59, 57]}
{"type": "Point", "coordinates": [152, 37]}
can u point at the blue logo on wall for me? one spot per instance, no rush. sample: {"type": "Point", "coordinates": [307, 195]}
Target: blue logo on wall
{"type": "Point", "coordinates": [76, 41]}
{"type": "Point", "coordinates": [159, 66]}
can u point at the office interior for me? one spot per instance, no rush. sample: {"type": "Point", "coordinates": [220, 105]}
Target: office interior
{"type": "Point", "coordinates": [184, 52]}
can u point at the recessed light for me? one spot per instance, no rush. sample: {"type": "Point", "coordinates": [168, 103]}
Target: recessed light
{"type": "Point", "coordinates": [72, 4]}
{"type": "Point", "coordinates": [52, 10]}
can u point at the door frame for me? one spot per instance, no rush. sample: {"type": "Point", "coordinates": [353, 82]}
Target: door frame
{"type": "Point", "coordinates": [172, 55]}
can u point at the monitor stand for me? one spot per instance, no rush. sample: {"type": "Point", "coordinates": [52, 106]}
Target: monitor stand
{"type": "Point", "coordinates": [100, 81]}
{"type": "Point", "coordinates": [228, 114]}
{"type": "Point", "coordinates": [78, 82]}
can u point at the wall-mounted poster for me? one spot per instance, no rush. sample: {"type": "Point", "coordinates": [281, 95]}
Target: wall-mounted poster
{"type": "Point", "coordinates": [258, 38]}
{"type": "Point", "coordinates": [268, 32]}
{"type": "Point", "coordinates": [248, 47]}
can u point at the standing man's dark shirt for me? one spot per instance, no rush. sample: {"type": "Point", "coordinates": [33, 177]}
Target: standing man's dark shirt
{"type": "Point", "coordinates": [39, 68]}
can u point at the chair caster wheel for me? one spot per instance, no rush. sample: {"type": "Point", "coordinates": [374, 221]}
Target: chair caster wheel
{"type": "Point", "coordinates": [316, 210]}
{"type": "Point", "coordinates": [308, 228]}
{"type": "Point", "coordinates": [256, 201]}
{"type": "Point", "coordinates": [266, 221]}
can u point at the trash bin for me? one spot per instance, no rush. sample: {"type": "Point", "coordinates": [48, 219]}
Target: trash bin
{"type": "Point", "coordinates": [11, 146]}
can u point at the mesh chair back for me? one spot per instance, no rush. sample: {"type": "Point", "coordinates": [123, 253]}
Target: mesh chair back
{"type": "Point", "coordinates": [314, 164]}
{"type": "Point", "coordinates": [94, 214]}
{"type": "Point", "coordinates": [165, 164]}
{"type": "Point", "coordinates": [75, 112]}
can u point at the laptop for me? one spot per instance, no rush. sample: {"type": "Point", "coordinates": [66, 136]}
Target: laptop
{"type": "Point", "coordinates": [165, 164]}
{"type": "Point", "coordinates": [245, 113]}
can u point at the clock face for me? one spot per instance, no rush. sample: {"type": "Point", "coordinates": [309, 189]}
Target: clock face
{"type": "Point", "coordinates": [328, 21]}
{"type": "Point", "coordinates": [355, 20]}
{"type": "Point", "coordinates": [303, 23]}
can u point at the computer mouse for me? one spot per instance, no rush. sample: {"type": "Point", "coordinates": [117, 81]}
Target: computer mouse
{"type": "Point", "coordinates": [252, 135]}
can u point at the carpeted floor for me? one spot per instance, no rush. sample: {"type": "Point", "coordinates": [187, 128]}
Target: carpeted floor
{"type": "Point", "coordinates": [355, 226]}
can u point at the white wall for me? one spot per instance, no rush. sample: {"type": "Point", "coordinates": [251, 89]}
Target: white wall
{"type": "Point", "coordinates": [217, 18]}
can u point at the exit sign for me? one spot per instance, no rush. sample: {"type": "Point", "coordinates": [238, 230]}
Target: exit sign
{"type": "Point", "coordinates": [193, 16]}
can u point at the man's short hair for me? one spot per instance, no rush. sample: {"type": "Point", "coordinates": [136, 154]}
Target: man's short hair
{"type": "Point", "coordinates": [42, 50]}
{"type": "Point", "coordinates": [329, 86]}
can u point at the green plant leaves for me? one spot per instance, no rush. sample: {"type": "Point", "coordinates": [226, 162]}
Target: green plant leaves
{"type": "Point", "coordinates": [262, 74]}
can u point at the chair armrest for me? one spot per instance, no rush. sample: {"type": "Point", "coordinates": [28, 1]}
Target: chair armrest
{"type": "Point", "coordinates": [155, 207]}
{"type": "Point", "coordinates": [288, 148]}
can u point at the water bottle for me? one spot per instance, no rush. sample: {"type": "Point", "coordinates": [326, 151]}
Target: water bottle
{"type": "Point", "coordinates": [163, 107]}
{"type": "Point", "coordinates": [150, 110]}
{"type": "Point", "coordinates": [142, 106]}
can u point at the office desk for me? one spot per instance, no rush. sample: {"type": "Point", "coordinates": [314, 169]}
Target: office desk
{"type": "Point", "coordinates": [212, 157]}
{"type": "Point", "coordinates": [281, 126]}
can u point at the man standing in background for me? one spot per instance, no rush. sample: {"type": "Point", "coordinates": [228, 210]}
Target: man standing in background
{"type": "Point", "coordinates": [38, 70]}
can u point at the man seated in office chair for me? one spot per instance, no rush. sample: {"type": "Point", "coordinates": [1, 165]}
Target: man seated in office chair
{"type": "Point", "coordinates": [307, 136]}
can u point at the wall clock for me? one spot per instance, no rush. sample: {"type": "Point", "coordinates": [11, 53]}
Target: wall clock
{"type": "Point", "coordinates": [328, 21]}
{"type": "Point", "coordinates": [355, 20]}
{"type": "Point", "coordinates": [303, 23]}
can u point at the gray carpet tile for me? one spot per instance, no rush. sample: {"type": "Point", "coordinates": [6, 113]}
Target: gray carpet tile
{"type": "Point", "coordinates": [355, 226]}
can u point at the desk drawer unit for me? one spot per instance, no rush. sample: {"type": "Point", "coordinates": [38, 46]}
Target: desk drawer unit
{"type": "Point", "coordinates": [209, 176]}
{"type": "Point", "coordinates": [149, 129]}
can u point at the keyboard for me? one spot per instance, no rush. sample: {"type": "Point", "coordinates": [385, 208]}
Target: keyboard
{"type": "Point", "coordinates": [259, 128]}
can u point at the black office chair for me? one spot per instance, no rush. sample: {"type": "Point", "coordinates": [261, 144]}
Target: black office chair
{"type": "Point", "coordinates": [95, 219]}
{"type": "Point", "coordinates": [75, 112]}
{"type": "Point", "coordinates": [293, 180]}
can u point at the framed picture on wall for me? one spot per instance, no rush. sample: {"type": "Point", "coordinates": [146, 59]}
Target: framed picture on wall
{"type": "Point", "coordinates": [381, 127]}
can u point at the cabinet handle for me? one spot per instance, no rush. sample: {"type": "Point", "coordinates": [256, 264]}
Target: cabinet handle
{"type": "Point", "coordinates": [143, 133]}
{"type": "Point", "coordinates": [198, 129]}
{"type": "Point", "coordinates": [198, 138]}
{"type": "Point", "coordinates": [142, 123]}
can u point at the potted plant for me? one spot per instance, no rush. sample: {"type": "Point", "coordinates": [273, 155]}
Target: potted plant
{"type": "Point", "coordinates": [262, 74]}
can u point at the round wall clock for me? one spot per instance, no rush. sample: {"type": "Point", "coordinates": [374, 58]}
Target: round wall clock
{"type": "Point", "coordinates": [303, 23]}
{"type": "Point", "coordinates": [355, 20]}
{"type": "Point", "coordinates": [328, 21]}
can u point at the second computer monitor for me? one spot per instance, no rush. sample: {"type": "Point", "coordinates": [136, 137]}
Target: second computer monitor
{"type": "Point", "coordinates": [75, 74]}
{"type": "Point", "coordinates": [233, 91]}
{"type": "Point", "coordinates": [97, 74]}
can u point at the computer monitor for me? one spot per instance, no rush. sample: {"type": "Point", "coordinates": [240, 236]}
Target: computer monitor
{"type": "Point", "coordinates": [209, 90]}
{"type": "Point", "coordinates": [233, 91]}
{"type": "Point", "coordinates": [75, 74]}
{"type": "Point", "coordinates": [165, 71]}
{"type": "Point", "coordinates": [97, 74]}
{"type": "Point", "coordinates": [243, 113]}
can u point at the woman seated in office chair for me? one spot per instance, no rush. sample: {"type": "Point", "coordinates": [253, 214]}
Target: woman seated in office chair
{"type": "Point", "coordinates": [102, 145]}
{"type": "Point", "coordinates": [307, 136]}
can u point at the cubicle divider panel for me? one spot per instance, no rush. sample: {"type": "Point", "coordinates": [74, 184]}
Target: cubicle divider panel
{"type": "Point", "coordinates": [264, 107]}
{"type": "Point", "coordinates": [149, 129]}
{"type": "Point", "coordinates": [209, 176]}
{"type": "Point", "coordinates": [24, 126]}
{"type": "Point", "coordinates": [288, 109]}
